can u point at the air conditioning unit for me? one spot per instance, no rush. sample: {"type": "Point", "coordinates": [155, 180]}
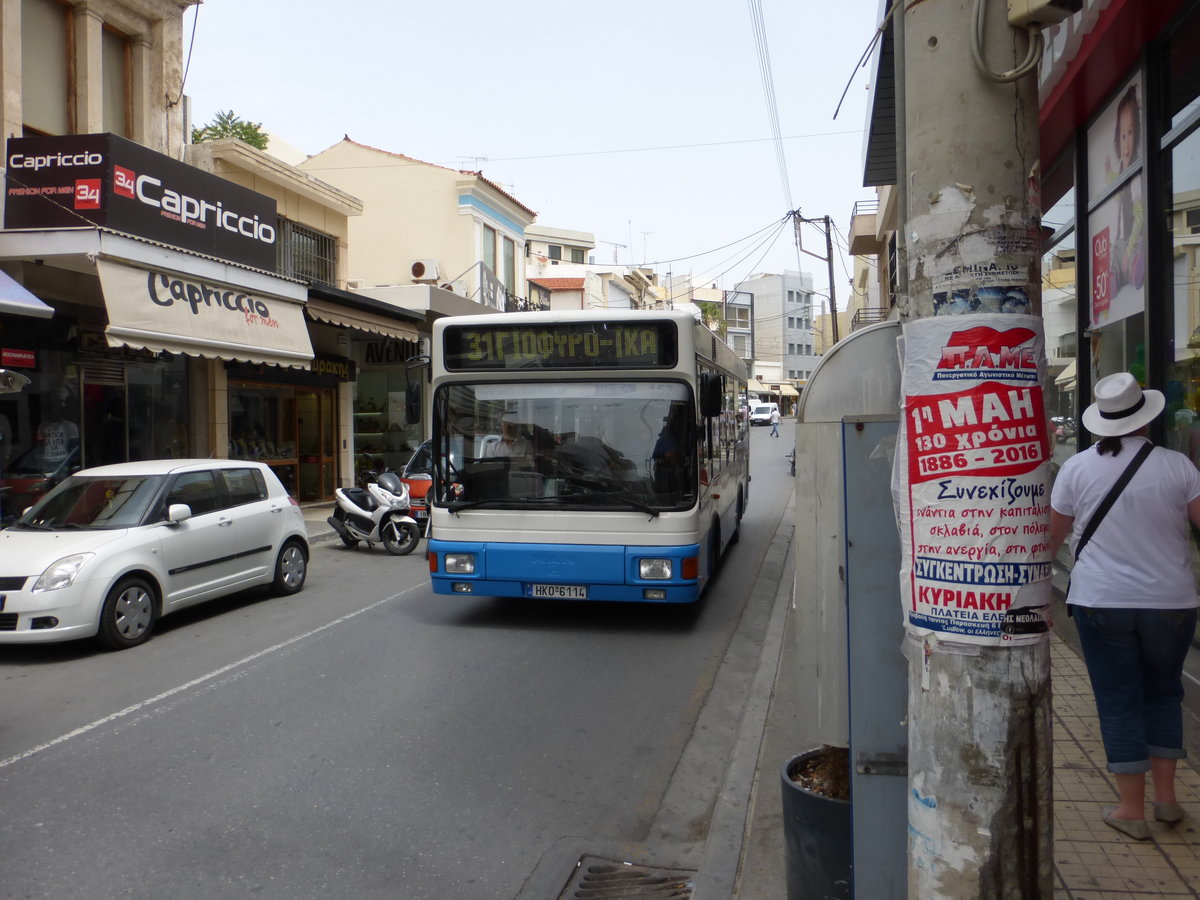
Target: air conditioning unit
{"type": "Point", "coordinates": [424, 270]}
{"type": "Point", "coordinates": [354, 284]}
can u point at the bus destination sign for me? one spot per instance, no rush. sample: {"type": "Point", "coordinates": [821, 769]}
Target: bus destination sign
{"type": "Point", "coordinates": [561, 345]}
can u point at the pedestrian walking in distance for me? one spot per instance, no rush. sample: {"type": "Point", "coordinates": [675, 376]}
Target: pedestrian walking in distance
{"type": "Point", "coordinates": [775, 423]}
{"type": "Point", "coordinates": [1132, 594]}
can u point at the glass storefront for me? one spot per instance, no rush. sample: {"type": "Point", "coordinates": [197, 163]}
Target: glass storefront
{"type": "Point", "coordinates": [383, 438]}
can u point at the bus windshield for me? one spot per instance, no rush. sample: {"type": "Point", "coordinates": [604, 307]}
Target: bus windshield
{"type": "Point", "coordinates": [570, 445]}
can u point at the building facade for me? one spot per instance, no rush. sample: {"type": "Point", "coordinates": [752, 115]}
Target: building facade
{"type": "Point", "coordinates": [1119, 119]}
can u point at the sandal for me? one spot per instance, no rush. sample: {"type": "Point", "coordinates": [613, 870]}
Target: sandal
{"type": "Point", "coordinates": [1135, 828]}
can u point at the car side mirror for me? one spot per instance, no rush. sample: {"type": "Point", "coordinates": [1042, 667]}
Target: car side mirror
{"type": "Point", "coordinates": [178, 512]}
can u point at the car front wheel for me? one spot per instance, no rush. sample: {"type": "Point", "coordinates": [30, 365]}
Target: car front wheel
{"type": "Point", "coordinates": [128, 615]}
{"type": "Point", "coordinates": [291, 568]}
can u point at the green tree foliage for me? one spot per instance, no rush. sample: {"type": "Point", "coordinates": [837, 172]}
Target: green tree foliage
{"type": "Point", "coordinates": [713, 316]}
{"type": "Point", "coordinates": [228, 125]}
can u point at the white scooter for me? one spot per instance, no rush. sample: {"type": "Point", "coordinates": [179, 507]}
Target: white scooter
{"type": "Point", "coordinates": [378, 514]}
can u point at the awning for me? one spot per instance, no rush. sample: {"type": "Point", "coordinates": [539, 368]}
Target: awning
{"type": "Point", "coordinates": [788, 391]}
{"type": "Point", "coordinates": [335, 314]}
{"type": "Point", "coordinates": [167, 312]}
{"type": "Point", "coordinates": [1066, 376]}
{"type": "Point", "coordinates": [16, 300]}
{"type": "Point", "coordinates": [758, 387]}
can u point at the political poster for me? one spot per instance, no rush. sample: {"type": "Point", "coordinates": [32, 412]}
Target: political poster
{"type": "Point", "coordinates": [973, 479]}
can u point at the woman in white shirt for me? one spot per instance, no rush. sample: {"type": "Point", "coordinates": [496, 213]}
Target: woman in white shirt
{"type": "Point", "coordinates": [1132, 593]}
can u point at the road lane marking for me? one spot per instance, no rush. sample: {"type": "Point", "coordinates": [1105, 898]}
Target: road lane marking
{"type": "Point", "coordinates": [216, 673]}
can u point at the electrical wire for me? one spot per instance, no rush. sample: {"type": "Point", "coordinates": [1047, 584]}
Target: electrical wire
{"type": "Point", "coordinates": [187, 65]}
{"type": "Point", "coordinates": [1033, 55]}
{"type": "Point", "coordinates": [768, 81]}
{"type": "Point", "coordinates": [862, 60]}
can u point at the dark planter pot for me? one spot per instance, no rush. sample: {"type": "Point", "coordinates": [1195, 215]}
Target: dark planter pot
{"type": "Point", "coordinates": [817, 839]}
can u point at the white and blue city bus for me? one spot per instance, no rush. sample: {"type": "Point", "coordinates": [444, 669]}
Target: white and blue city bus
{"type": "Point", "coordinates": [594, 455]}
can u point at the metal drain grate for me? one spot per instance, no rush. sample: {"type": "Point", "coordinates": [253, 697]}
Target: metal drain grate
{"type": "Point", "coordinates": [607, 879]}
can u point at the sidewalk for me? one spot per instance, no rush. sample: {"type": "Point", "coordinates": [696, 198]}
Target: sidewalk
{"type": "Point", "coordinates": [1091, 860]}
{"type": "Point", "coordinates": [315, 515]}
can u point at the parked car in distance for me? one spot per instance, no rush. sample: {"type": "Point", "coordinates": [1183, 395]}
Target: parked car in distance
{"type": "Point", "coordinates": [111, 549]}
{"type": "Point", "coordinates": [760, 413]}
{"type": "Point", "coordinates": [418, 475]}
{"type": "Point", "coordinates": [30, 476]}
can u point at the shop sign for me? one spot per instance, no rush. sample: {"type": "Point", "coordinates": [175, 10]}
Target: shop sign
{"type": "Point", "coordinates": [64, 181]}
{"type": "Point", "coordinates": [386, 352]}
{"type": "Point", "coordinates": [167, 311]}
{"type": "Point", "coordinates": [11, 358]}
{"type": "Point", "coordinates": [338, 367]}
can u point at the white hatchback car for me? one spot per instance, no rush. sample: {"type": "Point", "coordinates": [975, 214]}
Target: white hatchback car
{"type": "Point", "coordinates": [111, 549]}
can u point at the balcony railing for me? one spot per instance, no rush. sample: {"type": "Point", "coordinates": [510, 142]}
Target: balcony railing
{"type": "Point", "coordinates": [864, 317]}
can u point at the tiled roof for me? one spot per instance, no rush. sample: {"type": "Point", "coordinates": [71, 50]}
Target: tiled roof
{"type": "Point", "coordinates": [559, 284]}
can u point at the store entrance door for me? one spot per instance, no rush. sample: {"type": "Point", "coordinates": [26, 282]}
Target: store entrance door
{"type": "Point", "coordinates": [316, 413]}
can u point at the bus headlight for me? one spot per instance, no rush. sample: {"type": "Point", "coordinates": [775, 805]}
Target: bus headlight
{"type": "Point", "coordinates": [460, 563]}
{"type": "Point", "coordinates": [657, 569]}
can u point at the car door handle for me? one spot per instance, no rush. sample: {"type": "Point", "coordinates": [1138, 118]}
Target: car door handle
{"type": "Point", "coordinates": [224, 523]}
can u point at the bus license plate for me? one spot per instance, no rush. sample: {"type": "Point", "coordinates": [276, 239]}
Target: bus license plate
{"type": "Point", "coordinates": [559, 591]}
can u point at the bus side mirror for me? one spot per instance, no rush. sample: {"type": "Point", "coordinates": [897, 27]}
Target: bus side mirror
{"type": "Point", "coordinates": [711, 395]}
{"type": "Point", "coordinates": [412, 403]}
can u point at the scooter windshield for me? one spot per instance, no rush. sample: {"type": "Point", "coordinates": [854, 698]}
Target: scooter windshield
{"type": "Point", "coordinates": [570, 445]}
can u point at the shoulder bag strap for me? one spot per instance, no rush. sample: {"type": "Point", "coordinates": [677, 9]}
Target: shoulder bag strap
{"type": "Point", "coordinates": [1111, 497]}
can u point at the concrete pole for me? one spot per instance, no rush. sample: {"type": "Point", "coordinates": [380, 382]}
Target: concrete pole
{"type": "Point", "coordinates": [979, 728]}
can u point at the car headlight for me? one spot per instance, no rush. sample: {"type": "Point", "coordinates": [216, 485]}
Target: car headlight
{"type": "Point", "coordinates": [654, 568]}
{"type": "Point", "coordinates": [62, 573]}
{"type": "Point", "coordinates": [460, 563]}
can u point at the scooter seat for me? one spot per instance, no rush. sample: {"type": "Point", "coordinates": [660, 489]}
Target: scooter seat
{"type": "Point", "coordinates": [360, 498]}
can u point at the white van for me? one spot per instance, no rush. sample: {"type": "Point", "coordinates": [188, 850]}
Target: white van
{"type": "Point", "coordinates": [760, 413]}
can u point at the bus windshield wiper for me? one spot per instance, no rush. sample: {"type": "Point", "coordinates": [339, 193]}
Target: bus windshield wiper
{"type": "Point", "coordinates": [621, 496]}
{"type": "Point", "coordinates": [592, 496]}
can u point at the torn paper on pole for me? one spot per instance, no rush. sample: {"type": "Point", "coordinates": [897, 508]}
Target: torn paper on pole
{"type": "Point", "coordinates": [973, 479]}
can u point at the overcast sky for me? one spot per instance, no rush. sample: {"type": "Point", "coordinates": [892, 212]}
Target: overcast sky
{"type": "Point", "coordinates": [644, 122]}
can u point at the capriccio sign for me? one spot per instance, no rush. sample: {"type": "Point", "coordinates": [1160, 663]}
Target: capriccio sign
{"type": "Point", "coordinates": [165, 291]}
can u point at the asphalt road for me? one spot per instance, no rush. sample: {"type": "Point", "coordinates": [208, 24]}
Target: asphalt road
{"type": "Point", "coordinates": [365, 739]}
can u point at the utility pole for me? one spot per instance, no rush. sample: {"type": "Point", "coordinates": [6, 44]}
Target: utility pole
{"type": "Point", "coordinates": [827, 258]}
{"type": "Point", "coordinates": [979, 755]}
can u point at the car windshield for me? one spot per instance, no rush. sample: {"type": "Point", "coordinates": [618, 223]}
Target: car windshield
{"type": "Point", "coordinates": [93, 502]}
{"type": "Point", "coordinates": [573, 445]}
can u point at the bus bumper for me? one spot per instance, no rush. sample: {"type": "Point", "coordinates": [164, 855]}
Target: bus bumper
{"type": "Point", "coordinates": [563, 571]}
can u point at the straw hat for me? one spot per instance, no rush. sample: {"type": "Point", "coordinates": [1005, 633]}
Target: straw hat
{"type": "Point", "coordinates": [1121, 406]}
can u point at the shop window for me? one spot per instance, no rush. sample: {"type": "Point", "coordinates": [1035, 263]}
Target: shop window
{"type": "Point", "coordinates": [262, 426]}
{"type": "Point", "coordinates": [1116, 238]}
{"type": "Point", "coordinates": [47, 101]}
{"type": "Point", "coordinates": [383, 440]}
{"type": "Point", "coordinates": [1183, 369]}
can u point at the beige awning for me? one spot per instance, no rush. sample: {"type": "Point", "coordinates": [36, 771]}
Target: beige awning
{"type": "Point", "coordinates": [166, 312]}
{"type": "Point", "coordinates": [1066, 375]}
{"type": "Point", "coordinates": [334, 314]}
{"type": "Point", "coordinates": [758, 386]}
{"type": "Point", "coordinates": [788, 391]}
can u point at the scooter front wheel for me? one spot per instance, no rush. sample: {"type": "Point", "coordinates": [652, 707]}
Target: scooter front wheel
{"type": "Point", "coordinates": [400, 538]}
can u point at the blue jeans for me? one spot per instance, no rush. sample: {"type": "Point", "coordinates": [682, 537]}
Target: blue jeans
{"type": "Point", "coordinates": [774, 429]}
{"type": "Point", "coordinates": [1135, 660]}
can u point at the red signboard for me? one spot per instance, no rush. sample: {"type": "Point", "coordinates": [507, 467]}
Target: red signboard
{"type": "Point", "coordinates": [17, 359]}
